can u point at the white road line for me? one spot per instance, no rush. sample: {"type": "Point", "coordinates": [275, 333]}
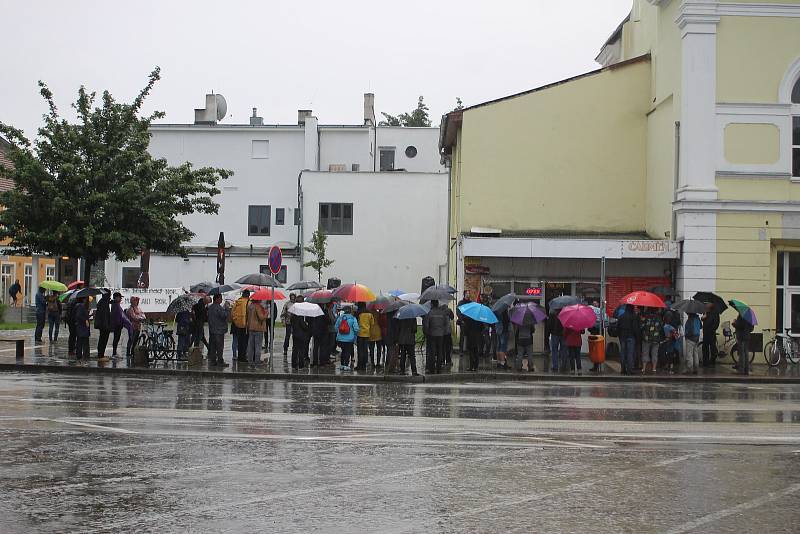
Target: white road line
{"type": "Point", "coordinates": [27, 348]}
{"type": "Point", "coordinates": [89, 425]}
{"type": "Point", "coordinates": [716, 516]}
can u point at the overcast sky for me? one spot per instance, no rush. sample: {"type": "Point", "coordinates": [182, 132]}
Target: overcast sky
{"type": "Point", "coordinates": [280, 56]}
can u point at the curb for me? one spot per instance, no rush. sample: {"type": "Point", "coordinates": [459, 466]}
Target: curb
{"type": "Point", "coordinates": [449, 378]}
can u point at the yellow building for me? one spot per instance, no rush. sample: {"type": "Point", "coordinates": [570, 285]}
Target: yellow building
{"type": "Point", "coordinates": [678, 161]}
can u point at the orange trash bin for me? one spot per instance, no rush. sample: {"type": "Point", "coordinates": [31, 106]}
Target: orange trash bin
{"type": "Point", "coordinates": [597, 349]}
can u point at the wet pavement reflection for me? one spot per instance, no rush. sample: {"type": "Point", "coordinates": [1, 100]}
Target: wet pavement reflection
{"type": "Point", "coordinates": [104, 453]}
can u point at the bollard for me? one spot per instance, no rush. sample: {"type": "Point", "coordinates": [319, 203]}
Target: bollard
{"type": "Point", "coordinates": [20, 344]}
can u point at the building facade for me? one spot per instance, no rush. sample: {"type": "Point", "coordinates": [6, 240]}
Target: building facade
{"type": "Point", "coordinates": [679, 159]}
{"type": "Point", "coordinates": [260, 203]}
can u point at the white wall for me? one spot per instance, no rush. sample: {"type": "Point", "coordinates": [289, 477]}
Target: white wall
{"type": "Point", "coordinates": [345, 145]}
{"type": "Point", "coordinates": [426, 140]}
{"type": "Point", "coordinates": [399, 226]}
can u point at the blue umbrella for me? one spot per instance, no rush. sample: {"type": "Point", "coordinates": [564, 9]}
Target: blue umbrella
{"type": "Point", "coordinates": [412, 311]}
{"type": "Point", "coordinates": [478, 312]}
{"type": "Point", "coordinates": [396, 292]}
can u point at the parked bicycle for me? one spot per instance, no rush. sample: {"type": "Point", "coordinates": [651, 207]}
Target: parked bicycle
{"type": "Point", "coordinates": [784, 346]}
{"type": "Point", "coordinates": [158, 340]}
{"type": "Point", "coordinates": [730, 346]}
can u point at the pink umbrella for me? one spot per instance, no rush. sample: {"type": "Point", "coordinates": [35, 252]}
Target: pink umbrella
{"type": "Point", "coordinates": [577, 317]}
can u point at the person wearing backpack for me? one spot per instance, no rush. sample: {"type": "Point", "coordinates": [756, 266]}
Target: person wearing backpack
{"type": "Point", "coordinates": [523, 345]}
{"type": "Point", "coordinates": [347, 329]}
{"type": "Point", "coordinates": [53, 316]}
{"type": "Point", "coordinates": [692, 352]}
{"type": "Point", "coordinates": [257, 316]}
{"type": "Point", "coordinates": [239, 325]}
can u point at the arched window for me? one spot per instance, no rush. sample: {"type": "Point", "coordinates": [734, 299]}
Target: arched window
{"type": "Point", "coordinates": [796, 129]}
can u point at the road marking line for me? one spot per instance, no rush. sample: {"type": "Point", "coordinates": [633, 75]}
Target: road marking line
{"type": "Point", "coordinates": [27, 348]}
{"type": "Point", "coordinates": [716, 516]}
{"type": "Point", "coordinates": [89, 425]}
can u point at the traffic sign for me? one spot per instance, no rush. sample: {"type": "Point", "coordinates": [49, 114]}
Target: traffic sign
{"type": "Point", "coordinates": [275, 260]}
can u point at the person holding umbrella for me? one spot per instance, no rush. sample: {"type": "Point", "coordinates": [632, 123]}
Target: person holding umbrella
{"type": "Point", "coordinates": [199, 318]}
{"type": "Point", "coordinates": [53, 316]}
{"type": "Point", "coordinates": [710, 326]}
{"type": "Point", "coordinates": [301, 336]}
{"type": "Point", "coordinates": [286, 317]}
{"type": "Point", "coordinates": [365, 320]}
{"type": "Point", "coordinates": [320, 354]}
{"type": "Point", "coordinates": [256, 326]}
{"type": "Point", "coordinates": [434, 326]}
{"type": "Point", "coordinates": [102, 323]}
{"type": "Point", "coordinates": [691, 335]}
{"type": "Point", "coordinates": [118, 321]}
{"type": "Point", "coordinates": [630, 329]}
{"type": "Point", "coordinates": [81, 326]}
{"type": "Point", "coordinates": [558, 349]}
{"type": "Point", "coordinates": [743, 326]}
{"type": "Point", "coordinates": [41, 314]}
{"type": "Point", "coordinates": [460, 321]}
{"type": "Point", "coordinates": [347, 328]}
{"type": "Point", "coordinates": [652, 335]}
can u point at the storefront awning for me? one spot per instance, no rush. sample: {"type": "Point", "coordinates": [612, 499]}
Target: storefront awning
{"type": "Point", "coordinates": [522, 247]}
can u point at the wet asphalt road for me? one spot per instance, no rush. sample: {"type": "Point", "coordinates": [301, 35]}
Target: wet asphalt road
{"type": "Point", "coordinates": [125, 454]}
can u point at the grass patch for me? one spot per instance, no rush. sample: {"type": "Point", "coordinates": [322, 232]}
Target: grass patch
{"type": "Point", "coordinates": [17, 326]}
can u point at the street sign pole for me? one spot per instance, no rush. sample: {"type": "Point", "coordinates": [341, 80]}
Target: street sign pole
{"type": "Point", "coordinates": [275, 261]}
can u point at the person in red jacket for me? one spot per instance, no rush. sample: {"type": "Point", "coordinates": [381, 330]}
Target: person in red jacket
{"type": "Point", "coordinates": [574, 341]}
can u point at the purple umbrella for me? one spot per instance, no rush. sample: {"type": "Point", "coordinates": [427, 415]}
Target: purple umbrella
{"type": "Point", "coordinates": [527, 314]}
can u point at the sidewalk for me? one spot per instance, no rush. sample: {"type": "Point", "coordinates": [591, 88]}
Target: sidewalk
{"type": "Point", "coordinates": [47, 357]}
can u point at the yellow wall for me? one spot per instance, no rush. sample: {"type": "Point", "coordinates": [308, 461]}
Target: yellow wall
{"type": "Point", "coordinates": [566, 158]}
{"type": "Point", "coordinates": [753, 54]}
{"type": "Point", "coordinates": [757, 188]}
{"type": "Point", "coordinates": [752, 143]}
{"type": "Point", "coordinates": [19, 263]}
{"type": "Point", "coordinates": [660, 170]}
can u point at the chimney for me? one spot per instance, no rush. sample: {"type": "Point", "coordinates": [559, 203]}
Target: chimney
{"type": "Point", "coordinates": [255, 120]}
{"type": "Point", "coordinates": [369, 109]}
{"type": "Point", "coordinates": [302, 115]}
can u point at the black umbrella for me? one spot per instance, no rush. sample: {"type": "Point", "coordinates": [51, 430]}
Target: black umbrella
{"type": "Point", "coordinates": [305, 284]}
{"type": "Point", "coordinates": [393, 306]}
{"type": "Point", "coordinates": [504, 303]}
{"type": "Point", "coordinates": [435, 293]}
{"type": "Point", "coordinates": [226, 288]}
{"type": "Point", "coordinates": [203, 287]}
{"type": "Point", "coordinates": [711, 298]}
{"type": "Point", "coordinates": [88, 292]}
{"type": "Point", "coordinates": [183, 303]}
{"type": "Point", "coordinates": [259, 279]}
{"type": "Point", "coordinates": [559, 303]}
{"type": "Point", "coordinates": [690, 306]}
{"type": "Point", "coordinates": [447, 287]}
{"type": "Point", "coordinates": [664, 291]}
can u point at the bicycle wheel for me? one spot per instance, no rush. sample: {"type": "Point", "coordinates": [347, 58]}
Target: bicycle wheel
{"type": "Point", "coordinates": [771, 354]}
{"type": "Point", "coordinates": [793, 354]}
{"type": "Point", "coordinates": [735, 354]}
{"type": "Point", "coordinates": [168, 346]}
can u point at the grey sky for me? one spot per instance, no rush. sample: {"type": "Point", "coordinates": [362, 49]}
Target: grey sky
{"type": "Point", "coordinates": [283, 55]}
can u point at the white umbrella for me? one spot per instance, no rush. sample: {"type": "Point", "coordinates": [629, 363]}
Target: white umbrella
{"type": "Point", "coordinates": [409, 296]}
{"type": "Point", "coordinates": [306, 309]}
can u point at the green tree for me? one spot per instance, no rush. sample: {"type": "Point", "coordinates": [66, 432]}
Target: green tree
{"type": "Point", "coordinates": [418, 117]}
{"type": "Point", "coordinates": [317, 247]}
{"type": "Point", "coordinates": [90, 189]}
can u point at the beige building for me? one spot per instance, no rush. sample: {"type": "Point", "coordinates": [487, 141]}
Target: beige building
{"type": "Point", "coordinates": [678, 161]}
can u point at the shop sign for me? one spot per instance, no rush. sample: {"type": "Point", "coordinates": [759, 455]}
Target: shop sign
{"type": "Point", "coordinates": [476, 269]}
{"type": "Point", "coordinates": [534, 291]}
{"type": "Point", "coordinates": [154, 299]}
{"type": "Point", "coordinates": [650, 248]}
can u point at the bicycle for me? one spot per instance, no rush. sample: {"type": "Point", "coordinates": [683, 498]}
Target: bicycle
{"type": "Point", "coordinates": [731, 346]}
{"type": "Point", "coordinates": [787, 347]}
{"type": "Point", "coordinates": [159, 342]}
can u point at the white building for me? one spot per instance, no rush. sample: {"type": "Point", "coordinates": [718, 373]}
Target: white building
{"type": "Point", "coordinates": [259, 204]}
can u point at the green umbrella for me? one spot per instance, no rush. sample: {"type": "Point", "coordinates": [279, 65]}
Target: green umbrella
{"type": "Point", "coordinates": [52, 285]}
{"type": "Point", "coordinates": [744, 310]}
{"type": "Point", "coordinates": [64, 296]}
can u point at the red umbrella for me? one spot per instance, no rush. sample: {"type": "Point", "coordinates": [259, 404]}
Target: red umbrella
{"type": "Point", "coordinates": [76, 283]}
{"type": "Point", "coordinates": [643, 298]}
{"type": "Point", "coordinates": [321, 296]}
{"type": "Point", "coordinates": [577, 317]}
{"type": "Point", "coordinates": [266, 294]}
{"type": "Point", "coordinates": [354, 293]}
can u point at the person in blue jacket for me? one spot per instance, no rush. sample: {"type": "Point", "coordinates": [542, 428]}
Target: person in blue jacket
{"type": "Point", "coordinates": [346, 332]}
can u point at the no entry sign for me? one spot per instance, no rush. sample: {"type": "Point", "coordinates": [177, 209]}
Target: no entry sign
{"type": "Point", "coordinates": [275, 260]}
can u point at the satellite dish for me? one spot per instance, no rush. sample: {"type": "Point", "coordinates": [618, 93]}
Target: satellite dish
{"type": "Point", "coordinates": [222, 107]}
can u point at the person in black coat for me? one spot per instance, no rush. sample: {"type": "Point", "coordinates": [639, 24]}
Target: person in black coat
{"type": "Point", "coordinates": [102, 323]}
{"type": "Point", "coordinates": [301, 336]}
{"type": "Point", "coordinates": [199, 318]}
{"type": "Point", "coordinates": [320, 354]}
{"type": "Point", "coordinates": [710, 327]}
{"type": "Point", "coordinates": [474, 332]}
{"type": "Point", "coordinates": [743, 330]}
{"type": "Point", "coordinates": [630, 331]}
{"type": "Point", "coordinates": [407, 339]}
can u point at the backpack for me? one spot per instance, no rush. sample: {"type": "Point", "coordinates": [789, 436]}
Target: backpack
{"type": "Point", "coordinates": [344, 327]}
{"type": "Point", "coordinates": [239, 313]}
{"type": "Point", "coordinates": [52, 305]}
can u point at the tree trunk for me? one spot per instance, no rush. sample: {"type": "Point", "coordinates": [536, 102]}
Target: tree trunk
{"type": "Point", "coordinates": [87, 270]}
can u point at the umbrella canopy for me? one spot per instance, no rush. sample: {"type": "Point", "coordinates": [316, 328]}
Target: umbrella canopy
{"type": "Point", "coordinates": [643, 298]}
{"type": "Point", "coordinates": [577, 317]}
{"type": "Point", "coordinates": [259, 279]}
{"type": "Point", "coordinates": [664, 291]}
{"type": "Point", "coordinates": [226, 288]}
{"type": "Point", "coordinates": [64, 296]}
{"type": "Point", "coordinates": [354, 293]}
{"type": "Point", "coordinates": [75, 284]}
{"type": "Point", "coordinates": [530, 313]}
{"type": "Point", "coordinates": [306, 309]}
{"type": "Point", "coordinates": [202, 287]}
{"type": "Point", "coordinates": [504, 303]}
{"type": "Point", "coordinates": [52, 285]}
{"type": "Point", "coordinates": [395, 292]}
{"type": "Point", "coordinates": [393, 306]}
{"type": "Point", "coordinates": [321, 296]}
{"type": "Point", "coordinates": [690, 306]}
{"type": "Point", "coordinates": [380, 303]}
{"type": "Point", "coordinates": [711, 298]}
{"type": "Point", "coordinates": [412, 311]}
{"type": "Point", "coordinates": [267, 294]}
{"type": "Point", "coordinates": [478, 312]}
{"type": "Point", "coordinates": [304, 284]}
{"type": "Point", "coordinates": [435, 293]}
{"type": "Point", "coordinates": [409, 296]}
{"type": "Point", "coordinates": [183, 302]}
{"type": "Point", "coordinates": [559, 303]}
{"type": "Point", "coordinates": [446, 287]}
{"type": "Point", "coordinates": [744, 310]}
{"type": "Point", "coordinates": [88, 292]}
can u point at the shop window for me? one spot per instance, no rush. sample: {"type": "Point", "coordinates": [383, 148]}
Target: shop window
{"type": "Point", "coordinates": [794, 268]}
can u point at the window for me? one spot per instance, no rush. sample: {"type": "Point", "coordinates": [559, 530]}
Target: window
{"type": "Point", "coordinates": [355, 167]}
{"type": "Point", "coordinates": [297, 213]}
{"type": "Point", "coordinates": [280, 213]}
{"type": "Point", "coordinates": [50, 272]}
{"type": "Point", "coordinates": [260, 149]}
{"type": "Point", "coordinates": [258, 220]}
{"type": "Point", "coordinates": [130, 276]}
{"type": "Point", "coordinates": [796, 129]}
{"type": "Point", "coordinates": [387, 158]}
{"type": "Point", "coordinates": [6, 279]}
{"type": "Point", "coordinates": [28, 281]}
{"type": "Point", "coordinates": [336, 219]}
{"type": "Point", "coordinates": [411, 151]}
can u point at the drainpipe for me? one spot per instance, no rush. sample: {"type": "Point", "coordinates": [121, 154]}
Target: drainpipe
{"type": "Point", "coordinates": [300, 223]}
